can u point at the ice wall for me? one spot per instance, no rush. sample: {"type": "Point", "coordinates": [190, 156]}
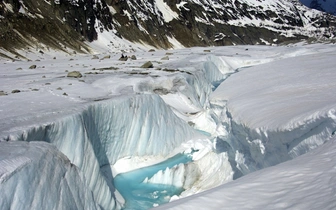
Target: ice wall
{"type": "Point", "coordinates": [201, 83]}
{"type": "Point", "coordinates": [251, 147]}
{"type": "Point", "coordinates": [35, 175]}
{"type": "Point", "coordinates": [134, 125]}
{"type": "Point", "coordinates": [260, 148]}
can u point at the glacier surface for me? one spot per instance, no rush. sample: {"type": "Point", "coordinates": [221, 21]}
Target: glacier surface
{"type": "Point", "coordinates": [238, 110]}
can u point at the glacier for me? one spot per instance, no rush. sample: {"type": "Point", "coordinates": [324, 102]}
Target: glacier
{"type": "Point", "coordinates": [36, 174]}
{"type": "Point", "coordinates": [109, 130]}
{"type": "Point", "coordinates": [196, 108]}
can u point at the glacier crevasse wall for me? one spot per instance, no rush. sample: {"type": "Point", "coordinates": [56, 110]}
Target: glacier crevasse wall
{"type": "Point", "coordinates": [135, 125]}
{"type": "Point", "coordinates": [34, 175]}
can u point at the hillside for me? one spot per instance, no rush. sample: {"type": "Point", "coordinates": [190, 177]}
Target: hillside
{"type": "Point", "coordinates": [70, 25]}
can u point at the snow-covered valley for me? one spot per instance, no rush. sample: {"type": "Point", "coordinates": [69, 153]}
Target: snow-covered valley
{"type": "Point", "coordinates": [238, 109]}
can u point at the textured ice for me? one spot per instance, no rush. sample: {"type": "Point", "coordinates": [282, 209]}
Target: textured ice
{"type": "Point", "coordinates": [35, 175]}
{"type": "Point", "coordinates": [109, 130]}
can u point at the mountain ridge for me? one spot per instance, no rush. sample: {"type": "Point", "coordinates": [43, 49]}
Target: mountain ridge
{"type": "Point", "coordinates": [158, 23]}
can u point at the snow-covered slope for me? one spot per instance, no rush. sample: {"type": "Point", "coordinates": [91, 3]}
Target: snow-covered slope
{"type": "Point", "coordinates": [30, 25]}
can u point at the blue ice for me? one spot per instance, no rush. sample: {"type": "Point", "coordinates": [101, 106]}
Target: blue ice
{"type": "Point", "coordinates": [139, 195]}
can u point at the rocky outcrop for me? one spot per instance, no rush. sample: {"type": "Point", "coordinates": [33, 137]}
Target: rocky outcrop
{"type": "Point", "coordinates": [64, 24]}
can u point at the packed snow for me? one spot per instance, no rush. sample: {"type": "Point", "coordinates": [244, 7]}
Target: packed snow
{"type": "Point", "coordinates": [248, 115]}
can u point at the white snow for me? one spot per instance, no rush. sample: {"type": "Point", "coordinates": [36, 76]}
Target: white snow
{"type": "Point", "coordinates": [167, 13]}
{"type": "Point", "coordinates": [255, 107]}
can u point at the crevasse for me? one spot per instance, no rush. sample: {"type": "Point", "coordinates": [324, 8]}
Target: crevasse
{"type": "Point", "coordinates": [143, 124]}
{"type": "Point", "coordinates": [134, 125]}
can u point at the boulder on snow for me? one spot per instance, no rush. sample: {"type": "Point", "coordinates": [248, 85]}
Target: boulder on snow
{"type": "Point", "coordinates": [16, 91]}
{"type": "Point", "coordinates": [32, 67]}
{"type": "Point", "coordinates": [95, 57]}
{"type": "Point", "coordinates": [75, 74]}
{"type": "Point", "coordinates": [2, 93]}
{"type": "Point", "coordinates": [166, 58]}
{"type": "Point", "coordinates": [133, 57]}
{"type": "Point", "coordinates": [123, 57]}
{"type": "Point", "coordinates": [146, 65]}
{"type": "Point", "coordinates": [106, 57]}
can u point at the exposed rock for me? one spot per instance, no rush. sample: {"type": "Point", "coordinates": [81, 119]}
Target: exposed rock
{"type": "Point", "coordinates": [133, 57]}
{"type": "Point", "coordinates": [123, 57]}
{"type": "Point", "coordinates": [32, 67]}
{"type": "Point", "coordinates": [95, 57]}
{"type": "Point", "coordinates": [151, 50]}
{"type": "Point", "coordinates": [19, 69]}
{"type": "Point", "coordinates": [169, 53]}
{"type": "Point", "coordinates": [166, 58]}
{"type": "Point", "coordinates": [106, 57]}
{"type": "Point", "coordinates": [65, 94]}
{"type": "Point", "coordinates": [206, 50]}
{"type": "Point", "coordinates": [161, 91]}
{"type": "Point", "coordinates": [16, 91]}
{"type": "Point", "coordinates": [2, 93]}
{"type": "Point", "coordinates": [75, 74]}
{"type": "Point", "coordinates": [148, 64]}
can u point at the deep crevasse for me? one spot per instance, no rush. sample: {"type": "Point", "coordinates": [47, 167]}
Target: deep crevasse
{"type": "Point", "coordinates": [134, 125]}
{"type": "Point", "coordinates": [143, 124]}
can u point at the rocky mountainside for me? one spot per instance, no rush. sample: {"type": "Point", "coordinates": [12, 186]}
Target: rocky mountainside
{"type": "Point", "coordinates": [328, 6]}
{"type": "Point", "coordinates": [67, 24]}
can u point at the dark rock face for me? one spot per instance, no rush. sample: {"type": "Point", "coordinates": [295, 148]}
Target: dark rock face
{"type": "Point", "coordinates": [68, 23]}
